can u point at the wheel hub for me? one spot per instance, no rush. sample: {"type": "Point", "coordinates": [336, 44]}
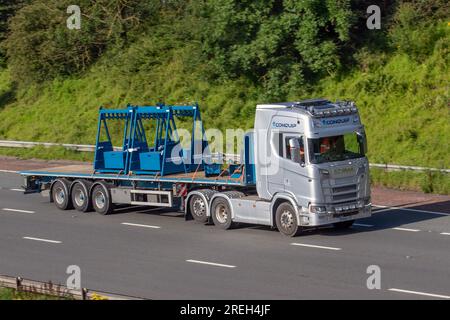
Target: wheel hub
{"type": "Point", "coordinates": [59, 195]}
{"type": "Point", "coordinates": [221, 213]}
{"type": "Point", "coordinates": [199, 207]}
{"type": "Point", "coordinates": [99, 200]}
{"type": "Point", "coordinates": [79, 198]}
{"type": "Point", "coordinates": [287, 219]}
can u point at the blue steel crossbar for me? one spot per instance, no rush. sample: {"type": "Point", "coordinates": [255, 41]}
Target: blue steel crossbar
{"type": "Point", "coordinates": [137, 156]}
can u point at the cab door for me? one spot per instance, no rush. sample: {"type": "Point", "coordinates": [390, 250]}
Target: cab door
{"type": "Point", "coordinates": [295, 176]}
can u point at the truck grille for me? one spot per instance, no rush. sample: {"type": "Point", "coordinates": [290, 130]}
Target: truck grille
{"type": "Point", "coordinates": [344, 189]}
{"type": "Point", "coordinates": [341, 190]}
{"type": "Point", "coordinates": [344, 196]}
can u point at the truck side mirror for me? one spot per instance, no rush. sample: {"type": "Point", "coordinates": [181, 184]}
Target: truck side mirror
{"type": "Point", "coordinates": [361, 136]}
{"type": "Point", "coordinates": [294, 145]}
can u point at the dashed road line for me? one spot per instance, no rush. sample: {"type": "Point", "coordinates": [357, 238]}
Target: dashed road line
{"type": "Point", "coordinates": [17, 210]}
{"type": "Point", "coordinates": [420, 293]}
{"type": "Point", "coordinates": [18, 190]}
{"type": "Point", "coordinates": [363, 225]}
{"type": "Point", "coordinates": [43, 240]}
{"type": "Point", "coordinates": [314, 246]}
{"type": "Point", "coordinates": [140, 225]}
{"type": "Point", "coordinates": [387, 208]}
{"type": "Point", "coordinates": [445, 233]}
{"type": "Point", "coordinates": [8, 171]}
{"type": "Point", "coordinates": [211, 263]}
{"type": "Point", "coordinates": [406, 229]}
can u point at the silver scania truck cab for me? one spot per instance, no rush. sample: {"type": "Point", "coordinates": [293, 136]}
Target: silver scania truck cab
{"type": "Point", "coordinates": [310, 165]}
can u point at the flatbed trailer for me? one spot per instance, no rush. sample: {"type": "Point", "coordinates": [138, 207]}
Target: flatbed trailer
{"type": "Point", "coordinates": [75, 185]}
{"type": "Point", "coordinates": [86, 172]}
{"type": "Point", "coordinates": [303, 165]}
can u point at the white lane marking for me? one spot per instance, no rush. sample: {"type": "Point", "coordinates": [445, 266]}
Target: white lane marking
{"type": "Point", "coordinates": [420, 293]}
{"type": "Point", "coordinates": [363, 225]}
{"type": "Point", "coordinates": [17, 210]}
{"type": "Point", "coordinates": [19, 190]}
{"type": "Point", "coordinates": [211, 263]}
{"type": "Point", "coordinates": [406, 229]}
{"type": "Point", "coordinates": [445, 233]}
{"type": "Point", "coordinates": [387, 208]}
{"type": "Point", "coordinates": [314, 246]}
{"type": "Point", "coordinates": [43, 240]}
{"type": "Point", "coordinates": [140, 225]}
{"type": "Point", "coordinates": [8, 171]}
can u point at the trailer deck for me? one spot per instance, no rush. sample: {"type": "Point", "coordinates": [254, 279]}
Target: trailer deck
{"type": "Point", "coordinates": [86, 171]}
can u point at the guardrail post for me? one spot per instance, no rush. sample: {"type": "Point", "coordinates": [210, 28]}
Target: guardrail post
{"type": "Point", "coordinates": [19, 283]}
{"type": "Point", "coordinates": [84, 292]}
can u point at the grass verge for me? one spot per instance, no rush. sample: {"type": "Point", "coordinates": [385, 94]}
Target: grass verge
{"type": "Point", "coordinates": [427, 181]}
{"type": "Point", "coordinates": [12, 294]}
{"type": "Point", "coordinates": [47, 153]}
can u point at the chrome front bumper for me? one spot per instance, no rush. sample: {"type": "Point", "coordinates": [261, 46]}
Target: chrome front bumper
{"type": "Point", "coordinates": [318, 219]}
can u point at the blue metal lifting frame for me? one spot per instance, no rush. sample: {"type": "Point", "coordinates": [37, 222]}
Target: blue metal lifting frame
{"type": "Point", "coordinates": [106, 160]}
{"type": "Point", "coordinates": [136, 157]}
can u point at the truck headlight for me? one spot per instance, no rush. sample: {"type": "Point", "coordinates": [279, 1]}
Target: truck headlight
{"type": "Point", "coordinates": [318, 209]}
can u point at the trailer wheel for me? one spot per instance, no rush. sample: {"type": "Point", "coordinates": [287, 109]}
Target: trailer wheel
{"type": "Point", "coordinates": [61, 194]}
{"type": "Point", "coordinates": [221, 213]}
{"type": "Point", "coordinates": [101, 200]}
{"type": "Point", "coordinates": [80, 196]}
{"type": "Point", "coordinates": [286, 220]}
{"type": "Point", "coordinates": [343, 225]}
{"type": "Point", "coordinates": [197, 206]}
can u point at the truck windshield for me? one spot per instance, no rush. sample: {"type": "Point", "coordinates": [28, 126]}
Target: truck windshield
{"type": "Point", "coordinates": [337, 148]}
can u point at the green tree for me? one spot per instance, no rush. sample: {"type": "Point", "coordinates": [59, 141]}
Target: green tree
{"type": "Point", "coordinates": [276, 42]}
{"type": "Point", "coordinates": [7, 10]}
{"type": "Point", "coordinates": [40, 46]}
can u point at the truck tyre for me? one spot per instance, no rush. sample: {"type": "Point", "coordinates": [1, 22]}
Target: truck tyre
{"type": "Point", "coordinates": [221, 213]}
{"type": "Point", "coordinates": [197, 206]}
{"type": "Point", "coordinates": [101, 199]}
{"type": "Point", "coordinates": [286, 220]}
{"type": "Point", "coordinates": [343, 225]}
{"type": "Point", "coordinates": [80, 196]}
{"type": "Point", "coordinates": [61, 194]}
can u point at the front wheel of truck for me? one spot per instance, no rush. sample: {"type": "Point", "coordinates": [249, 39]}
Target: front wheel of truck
{"type": "Point", "coordinates": [286, 220]}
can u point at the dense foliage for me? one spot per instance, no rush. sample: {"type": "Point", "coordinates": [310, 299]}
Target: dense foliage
{"type": "Point", "coordinates": [278, 44]}
{"type": "Point", "coordinates": [40, 46]}
{"type": "Point", "coordinates": [7, 10]}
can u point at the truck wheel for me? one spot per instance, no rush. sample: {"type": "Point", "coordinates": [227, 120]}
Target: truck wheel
{"type": "Point", "coordinates": [343, 225]}
{"type": "Point", "coordinates": [286, 220]}
{"type": "Point", "coordinates": [198, 208]}
{"type": "Point", "coordinates": [101, 200]}
{"type": "Point", "coordinates": [80, 196]}
{"type": "Point", "coordinates": [221, 214]}
{"type": "Point", "coordinates": [61, 194]}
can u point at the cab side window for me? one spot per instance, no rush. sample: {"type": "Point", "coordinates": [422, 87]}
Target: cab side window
{"type": "Point", "coordinates": [294, 149]}
{"type": "Point", "coordinates": [277, 141]}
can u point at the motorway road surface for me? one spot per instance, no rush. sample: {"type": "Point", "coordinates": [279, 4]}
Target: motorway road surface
{"type": "Point", "coordinates": [157, 255]}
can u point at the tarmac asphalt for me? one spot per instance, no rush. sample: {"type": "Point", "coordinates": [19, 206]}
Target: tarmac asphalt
{"type": "Point", "coordinates": [156, 254]}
